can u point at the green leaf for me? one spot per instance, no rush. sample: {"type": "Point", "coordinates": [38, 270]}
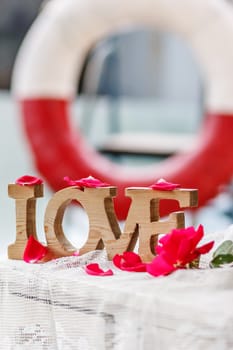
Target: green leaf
{"type": "Point", "coordinates": [221, 259]}
{"type": "Point", "coordinates": [224, 249]}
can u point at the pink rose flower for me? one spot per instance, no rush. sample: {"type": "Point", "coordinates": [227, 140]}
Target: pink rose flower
{"type": "Point", "coordinates": [177, 250]}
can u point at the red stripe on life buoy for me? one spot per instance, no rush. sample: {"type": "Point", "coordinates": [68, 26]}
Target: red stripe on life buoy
{"type": "Point", "coordinates": [59, 151]}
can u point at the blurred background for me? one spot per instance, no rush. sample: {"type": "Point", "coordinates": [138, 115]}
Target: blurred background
{"type": "Point", "coordinates": [129, 84]}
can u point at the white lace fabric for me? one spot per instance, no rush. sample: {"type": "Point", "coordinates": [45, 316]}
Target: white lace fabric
{"type": "Point", "coordinates": [58, 306]}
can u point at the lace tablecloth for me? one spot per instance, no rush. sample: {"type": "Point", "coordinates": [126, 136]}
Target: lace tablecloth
{"type": "Point", "coordinates": [58, 306]}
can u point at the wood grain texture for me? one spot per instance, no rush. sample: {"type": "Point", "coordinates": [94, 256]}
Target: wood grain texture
{"type": "Point", "coordinates": [143, 221]}
{"type": "Point", "coordinates": [25, 209]}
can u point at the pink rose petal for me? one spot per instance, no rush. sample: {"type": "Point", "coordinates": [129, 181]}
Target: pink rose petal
{"type": "Point", "coordinates": [71, 182]}
{"type": "Point", "coordinates": [163, 185]}
{"type": "Point", "coordinates": [205, 248]}
{"type": "Point", "coordinates": [129, 261]}
{"type": "Point", "coordinates": [89, 181]}
{"type": "Point", "coordinates": [95, 270]}
{"type": "Point", "coordinates": [34, 251]}
{"type": "Point", "coordinates": [28, 180]}
{"type": "Point", "coordinates": [75, 253]}
{"type": "Point", "coordinates": [160, 267]}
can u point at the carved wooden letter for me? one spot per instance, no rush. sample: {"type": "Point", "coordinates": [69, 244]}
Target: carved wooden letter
{"type": "Point", "coordinates": [150, 229]}
{"type": "Point", "coordinates": [25, 205]}
{"type": "Point", "coordinates": [98, 204]}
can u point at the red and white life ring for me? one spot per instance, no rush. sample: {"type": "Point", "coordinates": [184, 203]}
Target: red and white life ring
{"type": "Point", "coordinates": [49, 62]}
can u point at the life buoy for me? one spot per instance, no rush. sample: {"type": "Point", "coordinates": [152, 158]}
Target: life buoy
{"type": "Point", "coordinates": [44, 82]}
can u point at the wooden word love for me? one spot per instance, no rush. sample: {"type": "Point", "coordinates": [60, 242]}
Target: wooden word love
{"type": "Point", "coordinates": [142, 223]}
